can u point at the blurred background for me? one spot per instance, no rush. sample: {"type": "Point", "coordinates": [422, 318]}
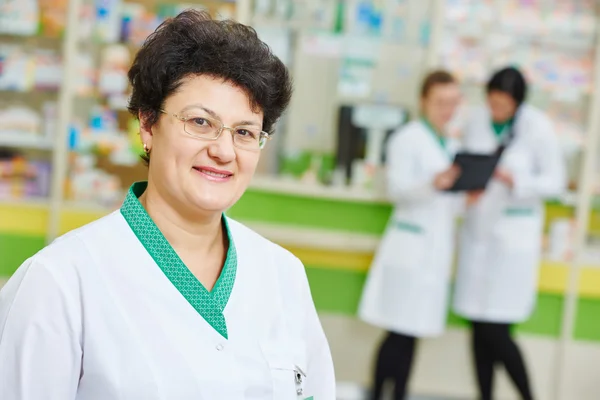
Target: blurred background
{"type": "Point", "coordinates": [69, 150]}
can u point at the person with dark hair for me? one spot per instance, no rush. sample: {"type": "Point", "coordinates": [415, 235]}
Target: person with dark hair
{"type": "Point", "coordinates": [406, 292]}
{"type": "Point", "coordinates": [167, 298]}
{"type": "Point", "coordinates": [501, 237]}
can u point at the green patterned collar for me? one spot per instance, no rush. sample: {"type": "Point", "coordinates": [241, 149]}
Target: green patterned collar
{"type": "Point", "coordinates": [500, 128]}
{"type": "Point", "coordinates": [210, 305]}
{"type": "Point", "coordinates": [437, 135]}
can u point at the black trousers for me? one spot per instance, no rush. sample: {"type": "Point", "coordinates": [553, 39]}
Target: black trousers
{"type": "Point", "coordinates": [493, 345]}
{"type": "Point", "coordinates": [394, 362]}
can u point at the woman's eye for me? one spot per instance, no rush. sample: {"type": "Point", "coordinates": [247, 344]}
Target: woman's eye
{"type": "Point", "coordinates": [200, 122]}
{"type": "Point", "coordinates": [245, 132]}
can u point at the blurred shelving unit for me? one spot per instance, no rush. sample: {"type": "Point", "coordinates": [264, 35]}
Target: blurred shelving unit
{"type": "Point", "coordinates": [81, 131]}
{"type": "Point", "coordinates": [98, 157]}
{"type": "Point", "coordinates": [30, 202]}
{"type": "Point", "coordinates": [557, 44]}
{"type": "Point", "coordinates": [91, 138]}
{"type": "Point", "coordinates": [16, 140]}
{"type": "Point", "coordinates": [63, 99]}
{"type": "Point", "coordinates": [585, 240]}
{"type": "Point", "coordinates": [552, 41]}
{"type": "Point", "coordinates": [31, 63]}
{"type": "Point", "coordinates": [91, 144]}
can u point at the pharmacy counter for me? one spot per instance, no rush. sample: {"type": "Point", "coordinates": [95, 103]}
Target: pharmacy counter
{"type": "Point", "coordinates": [334, 231]}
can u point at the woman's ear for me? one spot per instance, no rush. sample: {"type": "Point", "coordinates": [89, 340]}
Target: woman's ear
{"type": "Point", "coordinates": [145, 130]}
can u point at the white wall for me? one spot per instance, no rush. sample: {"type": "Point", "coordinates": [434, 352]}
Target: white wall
{"type": "Point", "coordinates": [443, 365]}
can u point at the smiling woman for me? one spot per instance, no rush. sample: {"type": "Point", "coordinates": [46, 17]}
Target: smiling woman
{"type": "Point", "coordinates": [167, 298]}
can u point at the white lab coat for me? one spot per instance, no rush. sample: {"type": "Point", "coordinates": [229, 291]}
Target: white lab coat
{"type": "Point", "coordinates": [407, 287]}
{"type": "Point", "coordinates": [502, 234]}
{"type": "Point", "coordinates": [92, 317]}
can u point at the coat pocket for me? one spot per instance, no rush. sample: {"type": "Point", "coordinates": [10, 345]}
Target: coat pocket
{"type": "Point", "coordinates": [403, 246]}
{"type": "Point", "coordinates": [287, 367]}
{"type": "Point", "coordinates": [519, 229]}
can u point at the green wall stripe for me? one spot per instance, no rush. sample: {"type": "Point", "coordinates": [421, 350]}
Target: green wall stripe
{"type": "Point", "coordinates": [14, 249]}
{"type": "Point", "coordinates": [587, 321]}
{"type": "Point", "coordinates": [547, 316]}
{"type": "Point", "coordinates": [370, 218]}
{"type": "Point", "coordinates": [335, 291]}
{"type": "Point", "coordinates": [456, 321]}
{"type": "Point", "coordinates": [339, 291]}
{"type": "Point", "coordinates": [545, 320]}
{"type": "Point", "coordinates": [359, 217]}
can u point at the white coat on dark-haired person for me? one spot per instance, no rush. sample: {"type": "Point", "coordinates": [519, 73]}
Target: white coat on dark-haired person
{"type": "Point", "coordinates": [167, 298]}
{"type": "Point", "coordinates": [499, 255]}
{"type": "Point", "coordinates": [406, 292]}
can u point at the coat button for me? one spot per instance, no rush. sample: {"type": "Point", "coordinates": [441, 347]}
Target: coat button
{"type": "Point", "coordinates": [220, 347]}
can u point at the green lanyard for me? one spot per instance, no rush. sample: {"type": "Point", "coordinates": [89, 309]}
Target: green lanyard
{"type": "Point", "coordinates": [441, 139]}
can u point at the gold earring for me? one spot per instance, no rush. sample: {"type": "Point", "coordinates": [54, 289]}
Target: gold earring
{"type": "Point", "coordinates": [146, 149]}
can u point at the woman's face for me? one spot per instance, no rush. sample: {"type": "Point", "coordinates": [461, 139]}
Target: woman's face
{"type": "Point", "coordinates": [440, 103]}
{"type": "Point", "coordinates": [502, 106]}
{"type": "Point", "coordinates": [196, 174]}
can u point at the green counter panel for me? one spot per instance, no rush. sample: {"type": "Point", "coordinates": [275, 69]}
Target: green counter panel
{"type": "Point", "coordinates": [339, 292]}
{"type": "Point", "coordinates": [336, 290]}
{"type": "Point", "coordinates": [14, 249]}
{"type": "Point", "coordinates": [369, 218]}
{"type": "Point", "coordinates": [587, 321]}
{"type": "Point", "coordinates": [547, 318]}
{"type": "Point", "coordinates": [358, 217]}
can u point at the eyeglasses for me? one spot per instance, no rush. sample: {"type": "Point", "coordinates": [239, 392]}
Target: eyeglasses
{"type": "Point", "coordinates": [198, 124]}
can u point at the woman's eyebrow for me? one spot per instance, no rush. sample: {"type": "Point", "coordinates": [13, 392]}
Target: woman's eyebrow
{"type": "Point", "coordinates": [203, 108]}
{"type": "Point", "coordinates": [216, 116]}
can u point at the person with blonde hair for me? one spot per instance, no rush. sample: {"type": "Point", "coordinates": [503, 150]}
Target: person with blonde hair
{"type": "Point", "coordinates": [406, 292]}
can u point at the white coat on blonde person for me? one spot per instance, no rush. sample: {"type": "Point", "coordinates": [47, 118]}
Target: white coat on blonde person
{"type": "Point", "coordinates": [407, 288]}
{"type": "Point", "coordinates": [501, 239]}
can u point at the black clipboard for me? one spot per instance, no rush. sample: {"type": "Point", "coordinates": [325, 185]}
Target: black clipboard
{"type": "Point", "coordinates": [476, 171]}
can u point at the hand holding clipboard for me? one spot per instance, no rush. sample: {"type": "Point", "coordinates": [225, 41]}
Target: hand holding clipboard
{"type": "Point", "coordinates": [476, 170]}
{"type": "Point", "coordinates": [445, 179]}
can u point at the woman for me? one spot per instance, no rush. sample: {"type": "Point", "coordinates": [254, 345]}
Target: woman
{"type": "Point", "coordinates": [407, 289]}
{"type": "Point", "coordinates": [501, 239]}
{"type": "Point", "coordinates": [167, 298]}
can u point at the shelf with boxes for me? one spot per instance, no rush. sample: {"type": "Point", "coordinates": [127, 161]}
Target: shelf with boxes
{"type": "Point", "coordinates": [103, 144]}
{"type": "Point", "coordinates": [31, 65]}
{"type": "Point", "coordinates": [554, 45]}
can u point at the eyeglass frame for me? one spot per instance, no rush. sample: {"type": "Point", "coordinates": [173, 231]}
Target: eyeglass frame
{"type": "Point", "coordinates": [223, 127]}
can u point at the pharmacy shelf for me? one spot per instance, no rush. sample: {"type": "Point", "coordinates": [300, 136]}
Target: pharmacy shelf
{"type": "Point", "coordinates": [18, 140]}
{"type": "Point", "coordinates": [299, 188]}
{"type": "Point", "coordinates": [565, 42]}
{"type": "Point", "coordinates": [28, 202]}
{"type": "Point", "coordinates": [87, 207]}
{"type": "Point", "coordinates": [118, 102]}
{"type": "Point", "coordinates": [316, 238]}
{"type": "Point", "coordinates": [290, 186]}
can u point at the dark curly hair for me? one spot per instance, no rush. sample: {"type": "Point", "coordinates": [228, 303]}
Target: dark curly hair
{"type": "Point", "coordinates": [192, 43]}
